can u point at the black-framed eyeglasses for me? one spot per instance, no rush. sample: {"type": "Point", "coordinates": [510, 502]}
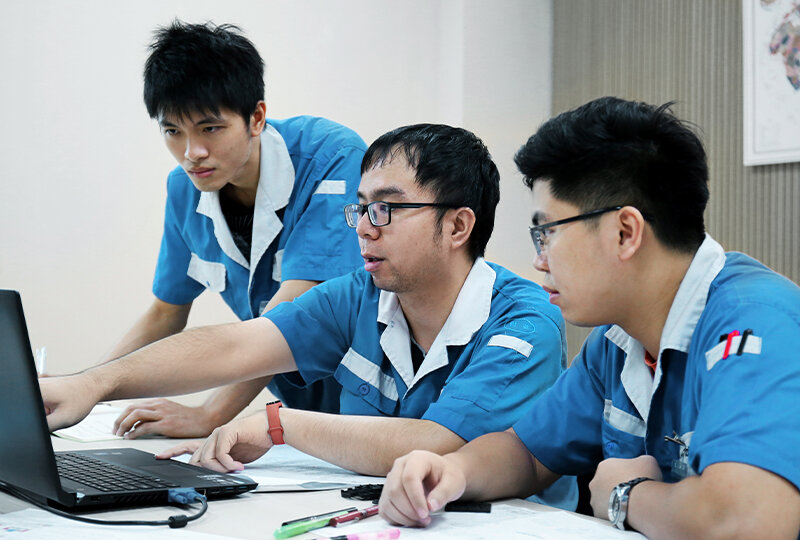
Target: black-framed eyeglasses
{"type": "Point", "coordinates": [539, 233]}
{"type": "Point", "coordinates": [380, 212]}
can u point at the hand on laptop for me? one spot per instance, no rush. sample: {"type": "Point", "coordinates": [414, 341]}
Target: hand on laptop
{"type": "Point", "coordinates": [162, 417]}
{"type": "Point", "coordinates": [67, 400]}
{"type": "Point", "coordinates": [230, 446]}
{"type": "Point", "coordinates": [188, 447]}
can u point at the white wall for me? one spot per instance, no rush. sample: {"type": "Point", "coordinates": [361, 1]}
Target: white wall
{"type": "Point", "coordinates": [83, 171]}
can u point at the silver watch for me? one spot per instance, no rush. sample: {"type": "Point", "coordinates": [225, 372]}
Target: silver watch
{"type": "Point", "coordinates": [618, 502]}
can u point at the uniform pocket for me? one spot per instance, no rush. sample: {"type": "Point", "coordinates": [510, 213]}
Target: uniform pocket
{"type": "Point", "coordinates": [623, 433]}
{"type": "Point", "coordinates": [365, 382]}
{"type": "Point", "coordinates": [209, 274]}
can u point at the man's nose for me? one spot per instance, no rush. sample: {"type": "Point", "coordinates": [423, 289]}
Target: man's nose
{"type": "Point", "coordinates": [365, 228]}
{"type": "Point", "coordinates": [540, 262]}
{"type": "Point", "coordinates": [195, 150]}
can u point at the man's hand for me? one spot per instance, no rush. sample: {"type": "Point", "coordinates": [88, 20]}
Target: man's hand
{"type": "Point", "coordinates": [163, 417]}
{"type": "Point", "coordinates": [420, 483]}
{"type": "Point", "coordinates": [231, 446]}
{"type": "Point", "coordinates": [188, 447]}
{"type": "Point", "coordinates": [67, 400]}
{"type": "Point", "coordinates": [613, 471]}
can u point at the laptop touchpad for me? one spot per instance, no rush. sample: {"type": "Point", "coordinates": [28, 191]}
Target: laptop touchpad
{"type": "Point", "coordinates": [174, 470]}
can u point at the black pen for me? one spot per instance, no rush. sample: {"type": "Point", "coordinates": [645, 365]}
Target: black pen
{"type": "Point", "coordinates": [320, 516]}
{"type": "Point", "coordinates": [746, 333]}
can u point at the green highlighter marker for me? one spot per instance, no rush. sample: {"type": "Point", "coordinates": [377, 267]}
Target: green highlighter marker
{"type": "Point", "coordinates": [293, 529]}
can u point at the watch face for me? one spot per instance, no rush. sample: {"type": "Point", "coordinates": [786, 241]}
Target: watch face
{"type": "Point", "coordinates": [613, 508]}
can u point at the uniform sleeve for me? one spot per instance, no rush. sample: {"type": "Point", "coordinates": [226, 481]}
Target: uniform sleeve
{"type": "Point", "coordinates": [563, 429]}
{"type": "Point", "coordinates": [749, 406]}
{"type": "Point", "coordinates": [511, 363]}
{"type": "Point", "coordinates": [318, 326]}
{"type": "Point", "coordinates": [171, 283]}
{"type": "Point", "coordinates": [321, 246]}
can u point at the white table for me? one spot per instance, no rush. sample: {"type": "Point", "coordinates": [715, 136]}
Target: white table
{"type": "Point", "coordinates": [251, 515]}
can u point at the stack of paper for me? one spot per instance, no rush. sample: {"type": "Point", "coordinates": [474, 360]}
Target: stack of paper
{"type": "Point", "coordinates": [284, 468]}
{"type": "Point", "coordinates": [98, 426]}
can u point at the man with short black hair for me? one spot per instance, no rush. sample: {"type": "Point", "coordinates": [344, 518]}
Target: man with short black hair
{"type": "Point", "coordinates": [685, 400]}
{"type": "Point", "coordinates": [253, 211]}
{"type": "Point", "coordinates": [432, 345]}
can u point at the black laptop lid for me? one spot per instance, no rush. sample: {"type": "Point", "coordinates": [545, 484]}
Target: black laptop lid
{"type": "Point", "coordinates": [26, 455]}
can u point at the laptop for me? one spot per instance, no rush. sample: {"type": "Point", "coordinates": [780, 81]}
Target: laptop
{"type": "Point", "coordinates": [114, 477]}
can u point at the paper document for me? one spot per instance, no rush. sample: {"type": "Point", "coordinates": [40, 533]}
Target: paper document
{"type": "Point", "coordinates": [98, 426]}
{"type": "Point", "coordinates": [34, 523]}
{"type": "Point", "coordinates": [504, 521]}
{"type": "Point", "coordinates": [284, 468]}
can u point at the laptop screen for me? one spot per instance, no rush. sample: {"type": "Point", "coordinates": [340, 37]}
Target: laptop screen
{"type": "Point", "coordinates": [26, 454]}
{"type": "Point", "coordinates": [27, 460]}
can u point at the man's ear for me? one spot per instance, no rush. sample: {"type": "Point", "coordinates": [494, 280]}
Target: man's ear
{"type": "Point", "coordinates": [258, 119]}
{"type": "Point", "coordinates": [630, 224]}
{"type": "Point", "coordinates": [463, 221]}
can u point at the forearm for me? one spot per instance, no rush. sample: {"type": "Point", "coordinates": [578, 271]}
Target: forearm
{"type": "Point", "coordinates": [661, 510]}
{"type": "Point", "coordinates": [729, 500]}
{"type": "Point", "coordinates": [288, 291]}
{"type": "Point", "coordinates": [159, 321]}
{"type": "Point", "coordinates": [364, 444]}
{"type": "Point", "coordinates": [195, 360]}
{"type": "Point", "coordinates": [515, 474]}
{"type": "Point", "coordinates": [225, 403]}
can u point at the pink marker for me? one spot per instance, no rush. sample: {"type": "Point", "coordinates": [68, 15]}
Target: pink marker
{"type": "Point", "coordinates": [386, 534]}
{"type": "Point", "coordinates": [354, 516]}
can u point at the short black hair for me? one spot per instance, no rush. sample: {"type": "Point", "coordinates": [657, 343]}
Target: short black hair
{"type": "Point", "coordinates": [202, 67]}
{"type": "Point", "coordinates": [453, 164]}
{"type": "Point", "coordinates": [612, 152]}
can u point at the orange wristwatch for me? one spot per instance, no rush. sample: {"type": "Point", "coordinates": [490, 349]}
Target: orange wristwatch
{"type": "Point", "coordinates": [275, 428]}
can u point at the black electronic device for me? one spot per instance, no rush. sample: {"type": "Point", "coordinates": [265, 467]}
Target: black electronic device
{"type": "Point", "coordinates": [111, 477]}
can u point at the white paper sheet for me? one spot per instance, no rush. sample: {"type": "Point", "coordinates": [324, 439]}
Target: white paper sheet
{"type": "Point", "coordinates": [284, 468]}
{"type": "Point", "coordinates": [504, 521]}
{"type": "Point", "coordinates": [98, 426]}
{"type": "Point", "coordinates": [34, 523]}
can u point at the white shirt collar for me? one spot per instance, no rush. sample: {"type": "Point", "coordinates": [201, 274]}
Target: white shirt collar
{"type": "Point", "coordinates": [692, 296]}
{"type": "Point", "coordinates": [276, 177]}
{"type": "Point", "coordinates": [275, 184]}
{"type": "Point", "coordinates": [688, 305]}
{"type": "Point", "coordinates": [469, 313]}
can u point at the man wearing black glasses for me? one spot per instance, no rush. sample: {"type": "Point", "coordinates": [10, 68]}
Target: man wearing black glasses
{"type": "Point", "coordinates": [432, 345]}
{"type": "Point", "coordinates": [685, 400]}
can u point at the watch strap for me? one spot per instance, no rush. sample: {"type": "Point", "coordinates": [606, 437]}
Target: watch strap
{"type": "Point", "coordinates": [275, 429]}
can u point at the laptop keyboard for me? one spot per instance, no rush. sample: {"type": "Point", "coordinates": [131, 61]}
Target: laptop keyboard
{"type": "Point", "coordinates": [105, 476]}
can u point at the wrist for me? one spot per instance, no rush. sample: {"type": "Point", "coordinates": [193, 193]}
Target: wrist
{"type": "Point", "coordinates": [459, 465]}
{"type": "Point", "coordinates": [208, 417]}
{"type": "Point", "coordinates": [94, 384]}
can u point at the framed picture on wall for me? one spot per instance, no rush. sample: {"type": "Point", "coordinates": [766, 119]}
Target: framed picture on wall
{"type": "Point", "coordinates": [771, 48]}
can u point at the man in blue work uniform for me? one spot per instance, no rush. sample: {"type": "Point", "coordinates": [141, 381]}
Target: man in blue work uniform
{"type": "Point", "coordinates": [432, 345]}
{"type": "Point", "coordinates": [252, 211]}
{"type": "Point", "coordinates": [685, 400]}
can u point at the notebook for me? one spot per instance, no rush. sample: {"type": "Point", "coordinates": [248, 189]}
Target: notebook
{"type": "Point", "coordinates": [84, 478]}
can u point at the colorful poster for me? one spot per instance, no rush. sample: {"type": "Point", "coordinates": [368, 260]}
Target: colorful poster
{"type": "Point", "coordinates": [771, 81]}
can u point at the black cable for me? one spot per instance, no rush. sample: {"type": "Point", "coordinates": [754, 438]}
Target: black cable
{"type": "Point", "coordinates": [175, 496]}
